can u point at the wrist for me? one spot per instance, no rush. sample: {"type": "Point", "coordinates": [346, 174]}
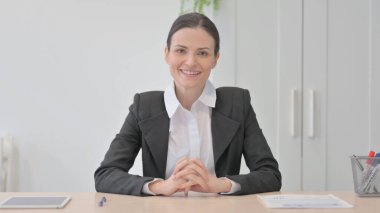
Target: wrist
{"type": "Point", "coordinates": [225, 185]}
{"type": "Point", "coordinates": [156, 187]}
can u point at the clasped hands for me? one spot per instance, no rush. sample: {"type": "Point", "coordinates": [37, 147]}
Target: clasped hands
{"type": "Point", "coordinates": [190, 175]}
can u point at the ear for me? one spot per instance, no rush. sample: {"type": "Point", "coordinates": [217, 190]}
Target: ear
{"type": "Point", "coordinates": [167, 55]}
{"type": "Point", "coordinates": [216, 60]}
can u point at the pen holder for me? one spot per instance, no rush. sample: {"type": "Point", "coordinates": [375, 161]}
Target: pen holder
{"type": "Point", "coordinates": [366, 174]}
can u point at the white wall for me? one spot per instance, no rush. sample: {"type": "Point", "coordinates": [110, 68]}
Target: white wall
{"type": "Point", "coordinates": [68, 73]}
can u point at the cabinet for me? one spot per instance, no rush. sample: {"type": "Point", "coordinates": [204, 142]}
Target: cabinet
{"type": "Point", "coordinates": [313, 71]}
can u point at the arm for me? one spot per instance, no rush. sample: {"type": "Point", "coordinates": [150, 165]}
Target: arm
{"type": "Point", "coordinates": [264, 174]}
{"type": "Point", "coordinates": [112, 176]}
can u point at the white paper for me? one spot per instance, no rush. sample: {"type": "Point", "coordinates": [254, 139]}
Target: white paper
{"type": "Point", "coordinates": [294, 201]}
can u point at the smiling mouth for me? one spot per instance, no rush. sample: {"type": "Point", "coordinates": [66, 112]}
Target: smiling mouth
{"type": "Point", "coordinates": [190, 72]}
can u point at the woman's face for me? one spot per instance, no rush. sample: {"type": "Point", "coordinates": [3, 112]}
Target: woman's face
{"type": "Point", "coordinates": [191, 58]}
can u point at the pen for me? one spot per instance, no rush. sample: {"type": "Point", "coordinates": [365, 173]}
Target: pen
{"type": "Point", "coordinates": [369, 163]}
{"type": "Point", "coordinates": [371, 174]}
{"type": "Point", "coordinates": [374, 173]}
{"type": "Point", "coordinates": [366, 170]}
{"type": "Point", "coordinates": [358, 163]}
{"type": "Point", "coordinates": [371, 154]}
{"type": "Point", "coordinates": [102, 201]}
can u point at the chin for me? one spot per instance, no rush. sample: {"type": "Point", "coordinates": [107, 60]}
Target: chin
{"type": "Point", "coordinates": [192, 85]}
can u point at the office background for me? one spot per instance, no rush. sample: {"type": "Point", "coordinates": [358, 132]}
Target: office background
{"type": "Point", "coordinates": [69, 70]}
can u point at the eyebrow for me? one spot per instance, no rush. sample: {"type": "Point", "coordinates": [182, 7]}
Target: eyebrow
{"type": "Point", "coordinates": [178, 45]}
{"type": "Point", "coordinates": [202, 48]}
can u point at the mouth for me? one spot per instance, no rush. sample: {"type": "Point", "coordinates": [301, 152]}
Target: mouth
{"type": "Point", "coordinates": [190, 72]}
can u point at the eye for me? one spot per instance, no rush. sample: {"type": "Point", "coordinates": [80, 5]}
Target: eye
{"type": "Point", "coordinates": [203, 53]}
{"type": "Point", "coordinates": [180, 50]}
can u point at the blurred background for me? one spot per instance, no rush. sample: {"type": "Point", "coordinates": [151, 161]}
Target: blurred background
{"type": "Point", "coordinates": [69, 70]}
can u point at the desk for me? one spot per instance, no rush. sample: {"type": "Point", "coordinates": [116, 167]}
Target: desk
{"type": "Point", "coordinates": [88, 202]}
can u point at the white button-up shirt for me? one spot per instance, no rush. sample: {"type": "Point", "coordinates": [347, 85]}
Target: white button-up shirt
{"type": "Point", "coordinates": [190, 132]}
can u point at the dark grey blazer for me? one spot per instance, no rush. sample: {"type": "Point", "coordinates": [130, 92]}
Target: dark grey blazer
{"type": "Point", "coordinates": [235, 132]}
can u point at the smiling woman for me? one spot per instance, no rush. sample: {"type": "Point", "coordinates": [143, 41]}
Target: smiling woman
{"type": "Point", "coordinates": [191, 58]}
{"type": "Point", "coordinates": [192, 136]}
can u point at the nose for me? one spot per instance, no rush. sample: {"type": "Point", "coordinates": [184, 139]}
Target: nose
{"type": "Point", "coordinates": [191, 60]}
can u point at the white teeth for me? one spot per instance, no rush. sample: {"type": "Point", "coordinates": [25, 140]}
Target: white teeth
{"type": "Point", "coordinates": [190, 72]}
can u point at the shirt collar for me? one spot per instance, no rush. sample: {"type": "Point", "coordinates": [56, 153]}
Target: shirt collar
{"type": "Point", "coordinates": [208, 97]}
{"type": "Point", "coordinates": [171, 101]}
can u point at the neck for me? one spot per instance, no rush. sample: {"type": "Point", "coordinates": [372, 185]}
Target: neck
{"type": "Point", "coordinates": [188, 96]}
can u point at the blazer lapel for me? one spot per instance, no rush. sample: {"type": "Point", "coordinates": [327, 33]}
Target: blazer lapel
{"type": "Point", "coordinates": [156, 133]}
{"type": "Point", "coordinates": [223, 130]}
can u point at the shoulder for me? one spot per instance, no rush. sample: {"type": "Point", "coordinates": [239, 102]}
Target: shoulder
{"type": "Point", "coordinates": [232, 100]}
{"type": "Point", "coordinates": [148, 104]}
{"type": "Point", "coordinates": [150, 96]}
{"type": "Point", "coordinates": [232, 94]}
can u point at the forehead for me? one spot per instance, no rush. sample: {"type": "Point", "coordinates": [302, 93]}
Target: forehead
{"type": "Point", "coordinates": [193, 37]}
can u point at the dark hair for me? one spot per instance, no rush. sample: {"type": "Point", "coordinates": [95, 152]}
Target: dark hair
{"type": "Point", "coordinates": [194, 20]}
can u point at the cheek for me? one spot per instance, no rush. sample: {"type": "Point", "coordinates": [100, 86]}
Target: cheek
{"type": "Point", "coordinates": [208, 65]}
{"type": "Point", "coordinates": [174, 62]}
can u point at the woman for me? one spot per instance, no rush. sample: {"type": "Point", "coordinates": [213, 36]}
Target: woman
{"type": "Point", "coordinates": [192, 136]}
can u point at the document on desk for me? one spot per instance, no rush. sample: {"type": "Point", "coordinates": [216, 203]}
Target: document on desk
{"type": "Point", "coordinates": [303, 201]}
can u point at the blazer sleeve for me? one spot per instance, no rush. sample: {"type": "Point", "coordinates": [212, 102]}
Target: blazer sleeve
{"type": "Point", "coordinates": [113, 174]}
{"type": "Point", "coordinates": [264, 175]}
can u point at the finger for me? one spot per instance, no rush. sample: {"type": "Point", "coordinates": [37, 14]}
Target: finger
{"type": "Point", "coordinates": [198, 162]}
{"type": "Point", "coordinates": [194, 187]}
{"type": "Point", "coordinates": [180, 190]}
{"type": "Point", "coordinates": [182, 163]}
{"type": "Point", "coordinates": [198, 188]}
{"type": "Point", "coordinates": [187, 185]}
{"type": "Point", "coordinates": [201, 171]}
{"type": "Point", "coordinates": [195, 180]}
{"type": "Point", "coordinates": [185, 172]}
{"type": "Point", "coordinates": [187, 189]}
{"type": "Point", "coordinates": [182, 159]}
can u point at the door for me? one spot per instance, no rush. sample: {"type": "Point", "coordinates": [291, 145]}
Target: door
{"type": "Point", "coordinates": [340, 43]}
{"type": "Point", "coordinates": [269, 64]}
{"type": "Point", "coordinates": [313, 72]}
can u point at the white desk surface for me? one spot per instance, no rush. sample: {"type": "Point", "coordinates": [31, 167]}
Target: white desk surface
{"type": "Point", "coordinates": [88, 202]}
